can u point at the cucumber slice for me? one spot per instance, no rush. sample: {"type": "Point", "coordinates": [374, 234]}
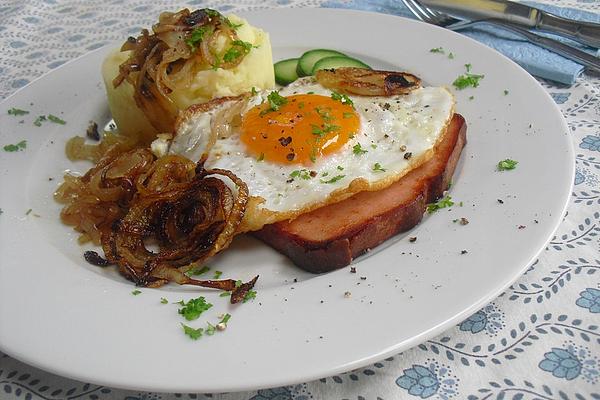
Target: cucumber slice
{"type": "Point", "coordinates": [285, 71]}
{"type": "Point", "coordinates": [309, 59]}
{"type": "Point", "coordinates": [337, 62]}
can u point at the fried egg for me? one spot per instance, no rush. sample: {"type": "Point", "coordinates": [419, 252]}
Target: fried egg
{"type": "Point", "coordinates": [305, 146]}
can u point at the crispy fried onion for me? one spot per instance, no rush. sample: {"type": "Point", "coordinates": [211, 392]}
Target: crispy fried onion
{"type": "Point", "coordinates": [132, 203]}
{"type": "Point", "coordinates": [366, 82]}
{"type": "Point", "coordinates": [181, 44]}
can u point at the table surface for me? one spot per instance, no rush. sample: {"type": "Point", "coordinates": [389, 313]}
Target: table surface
{"type": "Point", "coordinates": [538, 340]}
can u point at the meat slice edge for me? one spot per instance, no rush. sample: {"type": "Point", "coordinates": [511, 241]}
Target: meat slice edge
{"type": "Point", "coordinates": [332, 236]}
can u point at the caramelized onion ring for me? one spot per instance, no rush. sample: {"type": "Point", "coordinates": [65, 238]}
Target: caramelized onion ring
{"type": "Point", "coordinates": [366, 82]}
{"type": "Point", "coordinates": [166, 59]}
{"type": "Point", "coordinates": [189, 221]}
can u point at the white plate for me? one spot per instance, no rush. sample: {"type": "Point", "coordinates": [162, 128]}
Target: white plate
{"type": "Point", "coordinates": [61, 314]}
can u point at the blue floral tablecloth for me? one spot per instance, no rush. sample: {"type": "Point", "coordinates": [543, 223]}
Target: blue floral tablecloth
{"type": "Point", "coordinates": [538, 340]}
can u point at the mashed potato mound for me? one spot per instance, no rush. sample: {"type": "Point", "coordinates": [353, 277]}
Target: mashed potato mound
{"type": "Point", "coordinates": [255, 70]}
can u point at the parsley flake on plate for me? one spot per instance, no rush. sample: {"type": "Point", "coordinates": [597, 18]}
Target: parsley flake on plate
{"type": "Point", "coordinates": [506, 165]}
{"type": "Point", "coordinates": [17, 112]}
{"type": "Point", "coordinates": [136, 292]}
{"type": "Point", "coordinates": [194, 334]}
{"type": "Point", "coordinates": [56, 120]}
{"type": "Point", "coordinates": [437, 50]}
{"type": "Point", "coordinates": [194, 308]}
{"type": "Point", "coordinates": [445, 202]}
{"type": "Point", "coordinates": [16, 147]}
{"type": "Point", "coordinates": [468, 79]}
{"type": "Point", "coordinates": [38, 121]}
{"type": "Point", "coordinates": [250, 295]}
{"type": "Point", "coordinates": [210, 330]}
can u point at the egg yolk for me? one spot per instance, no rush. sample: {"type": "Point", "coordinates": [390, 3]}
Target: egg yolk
{"type": "Point", "coordinates": [303, 128]}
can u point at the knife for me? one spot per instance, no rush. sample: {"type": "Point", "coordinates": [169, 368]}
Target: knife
{"type": "Point", "coordinates": [587, 33]}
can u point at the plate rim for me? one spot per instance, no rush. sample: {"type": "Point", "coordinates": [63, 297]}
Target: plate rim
{"type": "Point", "coordinates": [357, 363]}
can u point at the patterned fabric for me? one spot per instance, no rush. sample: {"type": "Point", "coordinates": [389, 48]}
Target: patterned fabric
{"type": "Point", "coordinates": [538, 340]}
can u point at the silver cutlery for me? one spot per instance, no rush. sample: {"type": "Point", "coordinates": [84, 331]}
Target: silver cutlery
{"type": "Point", "coordinates": [426, 14]}
{"type": "Point", "coordinates": [587, 33]}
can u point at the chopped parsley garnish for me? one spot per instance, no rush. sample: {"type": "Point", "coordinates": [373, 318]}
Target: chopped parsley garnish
{"type": "Point", "coordinates": [471, 97]}
{"type": "Point", "coordinates": [194, 334]}
{"type": "Point", "coordinates": [347, 115]}
{"type": "Point", "coordinates": [164, 301]}
{"type": "Point", "coordinates": [238, 49]}
{"type": "Point", "coordinates": [225, 294]}
{"type": "Point", "coordinates": [467, 80]}
{"type": "Point", "coordinates": [507, 164]}
{"type": "Point", "coordinates": [324, 113]}
{"type": "Point", "coordinates": [333, 180]}
{"type": "Point", "coordinates": [136, 292]}
{"type": "Point", "coordinates": [212, 13]}
{"type": "Point", "coordinates": [316, 130]}
{"type": "Point", "coordinates": [217, 274]}
{"type": "Point", "coordinates": [56, 120]}
{"type": "Point", "coordinates": [210, 330]}
{"type": "Point", "coordinates": [446, 201]}
{"type": "Point", "coordinates": [16, 147]}
{"type": "Point", "coordinates": [324, 129]}
{"type": "Point", "coordinates": [302, 174]}
{"type": "Point", "coordinates": [254, 92]}
{"type": "Point", "coordinates": [225, 318]}
{"type": "Point", "coordinates": [198, 271]}
{"type": "Point", "coordinates": [38, 121]}
{"type": "Point", "coordinates": [231, 24]}
{"type": "Point", "coordinates": [342, 98]}
{"type": "Point", "coordinates": [339, 167]}
{"type": "Point", "coordinates": [275, 101]}
{"type": "Point", "coordinates": [377, 167]}
{"type": "Point", "coordinates": [313, 154]}
{"type": "Point", "coordinates": [17, 112]}
{"type": "Point", "coordinates": [28, 211]}
{"type": "Point", "coordinates": [437, 50]}
{"type": "Point", "coordinates": [451, 56]}
{"type": "Point", "coordinates": [250, 295]}
{"type": "Point", "coordinates": [193, 308]}
{"type": "Point", "coordinates": [197, 36]}
{"type": "Point", "coordinates": [505, 92]}
{"type": "Point", "coordinates": [373, 146]}
{"type": "Point", "coordinates": [330, 128]}
{"type": "Point", "coordinates": [358, 150]}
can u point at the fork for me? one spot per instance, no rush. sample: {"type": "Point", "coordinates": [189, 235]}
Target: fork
{"type": "Point", "coordinates": [426, 14]}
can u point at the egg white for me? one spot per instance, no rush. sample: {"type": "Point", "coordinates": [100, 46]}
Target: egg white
{"type": "Point", "coordinates": [390, 128]}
